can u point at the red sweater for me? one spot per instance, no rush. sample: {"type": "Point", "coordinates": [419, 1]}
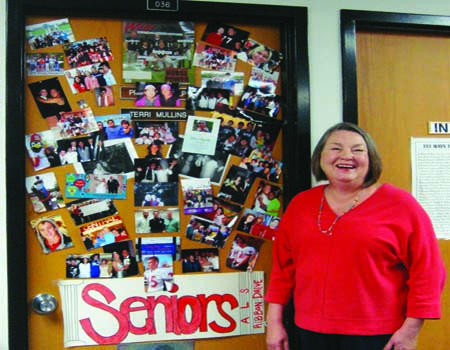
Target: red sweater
{"type": "Point", "coordinates": [381, 264]}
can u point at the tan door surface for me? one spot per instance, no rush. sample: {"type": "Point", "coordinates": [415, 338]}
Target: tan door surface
{"type": "Point", "coordinates": [403, 83]}
{"type": "Point", "coordinates": [44, 271]}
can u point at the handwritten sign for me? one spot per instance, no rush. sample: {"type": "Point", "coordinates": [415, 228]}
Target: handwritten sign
{"type": "Point", "coordinates": [112, 311]}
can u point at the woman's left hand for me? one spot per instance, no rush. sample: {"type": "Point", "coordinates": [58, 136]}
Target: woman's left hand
{"type": "Point", "coordinates": [405, 338]}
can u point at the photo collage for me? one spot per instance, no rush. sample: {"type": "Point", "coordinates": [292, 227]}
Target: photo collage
{"type": "Point", "coordinates": [153, 152]}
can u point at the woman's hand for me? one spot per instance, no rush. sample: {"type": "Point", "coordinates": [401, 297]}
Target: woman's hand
{"type": "Point", "coordinates": [405, 338]}
{"type": "Point", "coordinates": [276, 336]}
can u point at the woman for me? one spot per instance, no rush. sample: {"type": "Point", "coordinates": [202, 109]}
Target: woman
{"type": "Point", "coordinates": [360, 258]}
{"type": "Point", "coordinates": [101, 186]}
{"type": "Point", "coordinates": [150, 97]}
{"type": "Point", "coordinates": [118, 266]}
{"type": "Point", "coordinates": [85, 268]}
{"type": "Point", "coordinates": [259, 56]}
{"type": "Point", "coordinates": [105, 269]}
{"type": "Point", "coordinates": [153, 151]}
{"type": "Point", "coordinates": [90, 81]}
{"type": "Point", "coordinates": [79, 85]}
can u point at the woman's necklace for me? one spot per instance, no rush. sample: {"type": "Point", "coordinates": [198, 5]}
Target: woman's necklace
{"type": "Point", "coordinates": [329, 230]}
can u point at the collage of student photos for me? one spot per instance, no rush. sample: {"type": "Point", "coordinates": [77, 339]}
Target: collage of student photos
{"type": "Point", "coordinates": [153, 152]}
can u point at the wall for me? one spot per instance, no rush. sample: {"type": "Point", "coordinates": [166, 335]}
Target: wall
{"type": "Point", "coordinates": [325, 75]}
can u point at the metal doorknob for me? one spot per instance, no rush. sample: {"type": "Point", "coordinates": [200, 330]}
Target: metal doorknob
{"type": "Point", "coordinates": [44, 304]}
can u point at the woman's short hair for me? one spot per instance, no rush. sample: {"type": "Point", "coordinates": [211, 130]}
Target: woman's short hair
{"type": "Point", "coordinates": [375, 163]}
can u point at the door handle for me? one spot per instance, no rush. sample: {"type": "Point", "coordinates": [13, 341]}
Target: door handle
{"type": "Point", "coordinates": [44, 304]}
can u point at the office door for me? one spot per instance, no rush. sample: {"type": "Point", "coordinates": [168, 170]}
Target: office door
{"type": "Point", "coordinates": [403, 83]}
{"type": "Point", "coordinates": [39, 270]}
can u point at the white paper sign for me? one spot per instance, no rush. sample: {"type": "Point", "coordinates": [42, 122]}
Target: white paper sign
{"type": "Point", "coordinates": [201, 135]}
{"type": "Point", "coordinates": [430, 161]}
{"type": "Point", "coordinates": [112, 311]}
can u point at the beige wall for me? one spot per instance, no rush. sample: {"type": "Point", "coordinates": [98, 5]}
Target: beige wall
{"type": "Point", "coordinates": [325, 75]}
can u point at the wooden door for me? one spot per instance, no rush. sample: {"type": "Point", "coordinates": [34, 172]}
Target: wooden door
{"type": "Point", "coordinates": [403, 83]}
{"type": "Point", "coordinates": [43, 271]}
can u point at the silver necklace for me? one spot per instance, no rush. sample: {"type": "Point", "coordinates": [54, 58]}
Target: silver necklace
{"type": "Point", "coordinates": [329, 230]}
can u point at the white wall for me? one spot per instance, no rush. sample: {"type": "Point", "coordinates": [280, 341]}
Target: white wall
{"type": "Point", "coordinates": [325, 76]}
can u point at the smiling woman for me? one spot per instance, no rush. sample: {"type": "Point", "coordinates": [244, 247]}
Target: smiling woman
{"type": "Point", "coordinates": [342, 232]}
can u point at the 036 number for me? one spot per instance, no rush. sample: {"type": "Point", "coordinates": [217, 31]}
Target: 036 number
{"type": "Point", "coordinates": [163, 4]}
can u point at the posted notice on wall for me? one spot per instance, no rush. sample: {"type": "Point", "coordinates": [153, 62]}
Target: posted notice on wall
{"type": "Point", "coordinates": [111, 311]}
{"type": "Point", "coordinates": [430, 161]}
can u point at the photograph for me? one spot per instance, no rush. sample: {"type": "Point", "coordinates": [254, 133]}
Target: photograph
{"type": "Point", "coordinates": [159, 194]}
{"type": "Point", "coordinates": [263, 165]}
{"type": "Point", "coordinates": [44, 192]}
{"type": "Point", "coordinates": [201, 135]}
{"type": "Point", "coordinates": [51, 233]}
{"type": "Point", "coordinates": [214, 58]}
{"type": "Point", "coordinates": [245, 135]}
{"type": "Point", "coordinates": [96, 186]}
{"type": "Point", "coordinates": [259, 224]}
{"type": "Point", "coordinates": [148, 132]}
{"type": "Point", "coordinates": [123, 259]}
{"type": "Point", "coordinates": [158, 273]}
{"type": "Point", "coordinates": [260, 56]}
{"type": "Point", "coordinates": [152, 49]}
{"type": "Point", "coordinates": [224, 213]}
{"type": "Point", "coordinates": [114, 126]}
{"type": "Point", "coordinates": [237, 184]}
{"type": "Point", "coordinates": [90, 77]}
{"type": "Point", "coordinates": [83, 211]}
{"type": "Point", "coordinates": [268, 198]}
{"type": "Point", "coordinates": [149, 246]}
{"type": "Point", "coordinates": [159, 95]}
{"type": "Point", "coordinates": [49, 97]}
{"type": "Point", "coordinates": [199, 165]}
{"type": "Point", "coordinates": [97, 265]}
{"type": "Point", "coordinates": [229, 81]}
{"type": "Point", "coordinates": [48, 63]}
{"type": "Point", "coordinates": [99, 233]}
{"type": "Point", "coordinates": [104, 96]}
{"type": "Point", "coordinates": [80, 122]}
{"type": "Point", "coordinates": [265, 82]}
{"type": "Point", "coordinates": [197, 196]}
{"type": "Point", "coordinates": [87, 52]}
{"type": "Point", "coordinates": [211, 99]}
{"type": "Point", "coordinates": [253, 100]}
{"type": "Point", "coordinates": [244, 252]}
{"type": "Point", "coordinates": [200, 260]}
{"type": "Point", "coordinates": [48, 34]}
{"type": "Point", "coordinates": [114, 156]}
{"type": "Point", "coordinates": [207, 232]}
{"type": "Point", "coordinates": [42, 150]}
{"type": "Point", "coordinates": [225, 36]}
{"type": "Point", "coordinates": [156, 170]}
{"type": "Point", "coordinates": [157, 220]}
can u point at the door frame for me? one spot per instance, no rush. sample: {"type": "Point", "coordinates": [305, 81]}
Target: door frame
{"type": "Point", "coordinates": [295, 89]}
{"type": "Point", "coordinates": [352, 20]}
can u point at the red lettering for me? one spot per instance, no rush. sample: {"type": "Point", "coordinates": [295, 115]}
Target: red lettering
{"type": "Point", "coordinates": [142, 27]}
{"type": "Point", "coordinates": [246, 320]}
{"type": "Point", "coordinates": [220, 300]}
{"type": "Point", "coordinates": [246, 306]}
{"type": "Point", "coordinates": [167, 302]}
{"type": "Point", "coordinates": [126, 309]}
{"type": "Point", "coordinates": [189, 327]}
{"type": "Point", "coordinates": [86, 323]}
{"type": "Point", "coordinates": [183, 315]}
